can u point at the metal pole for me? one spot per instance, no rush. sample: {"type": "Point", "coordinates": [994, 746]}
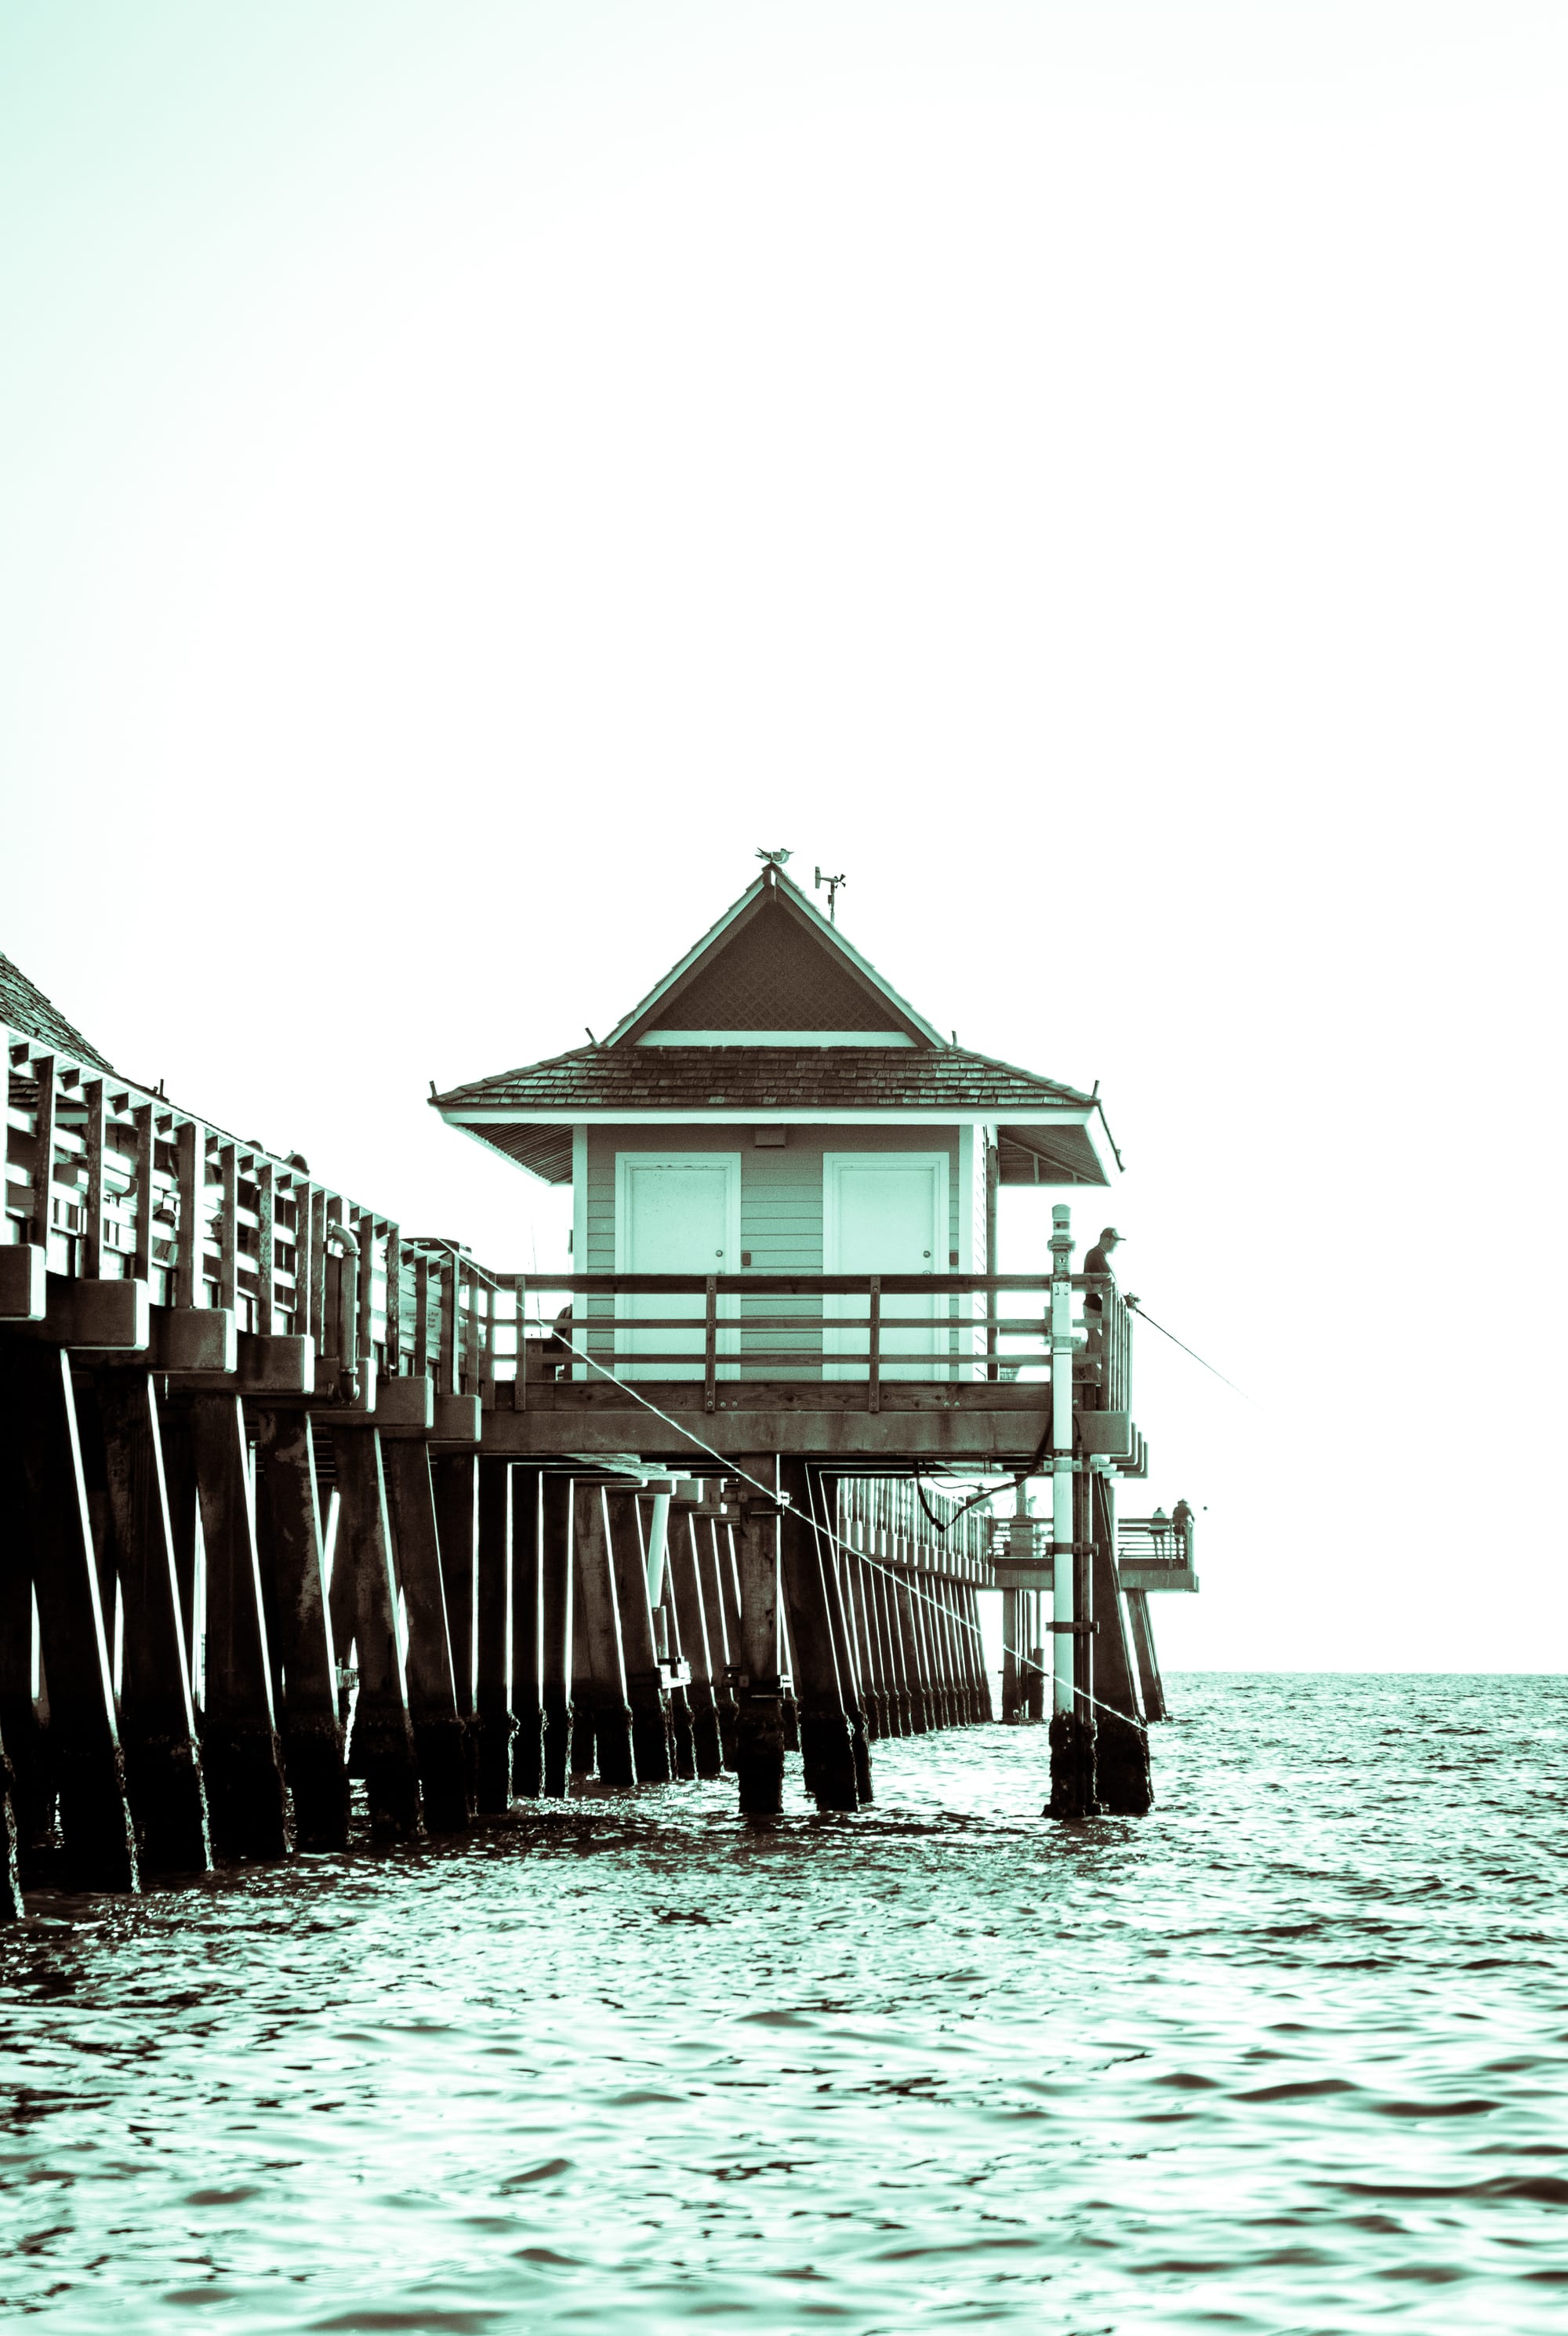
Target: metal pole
{"type": "Point", "coordinates": [1062, 1603]}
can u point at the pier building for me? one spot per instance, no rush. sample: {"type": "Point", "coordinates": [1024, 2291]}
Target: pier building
{"type": "Point", "coordinates": [292, 1495]}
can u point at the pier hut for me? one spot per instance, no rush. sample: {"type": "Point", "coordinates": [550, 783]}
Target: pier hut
{"type": "Point", "coordinates": [295, 1503]}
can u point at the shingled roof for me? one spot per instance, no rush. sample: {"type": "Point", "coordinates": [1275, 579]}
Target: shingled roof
{"type": "Point", "coordinates": [596, 1079]}
{"type": "Point", "coordinates": [773, 1015]}
{"type": "Point", "coordinates": [24, 1006]}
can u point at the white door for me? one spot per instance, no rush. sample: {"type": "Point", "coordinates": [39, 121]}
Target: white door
{"type": "Point", "coordinates": [886, 1213]}
{"type": "Point", "coordinates": [675, 1212]}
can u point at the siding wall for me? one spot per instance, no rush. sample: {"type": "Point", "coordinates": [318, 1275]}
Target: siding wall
{"type": "Point", "coordinates": [781, 1204]}
{"type": "Point", "coordinates": [781, 1186]}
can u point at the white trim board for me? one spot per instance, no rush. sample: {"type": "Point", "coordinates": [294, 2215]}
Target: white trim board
{"type": "Point", "coordinates": [775, 1039]}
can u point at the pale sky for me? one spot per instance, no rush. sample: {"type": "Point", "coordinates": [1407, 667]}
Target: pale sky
{"type": "Point", "coordinates": [1094, 473]}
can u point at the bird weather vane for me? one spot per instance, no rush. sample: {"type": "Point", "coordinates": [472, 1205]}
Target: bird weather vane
{"type": "Point", "coordinates": [774, 859]}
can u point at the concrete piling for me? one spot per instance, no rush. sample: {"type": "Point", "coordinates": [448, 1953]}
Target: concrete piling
{"type": "Point", "coordinates": [293, 1560]}
{"type": "Point", "coordinates": [685, 1577]}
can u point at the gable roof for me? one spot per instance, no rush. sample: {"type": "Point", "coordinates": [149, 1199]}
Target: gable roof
{"type": "Point", "coordinates": [24, 1006]}
{"type": "Point", "coordinates": [774, 1016]}
{"type": "Point", "coordinates": [774, 962]}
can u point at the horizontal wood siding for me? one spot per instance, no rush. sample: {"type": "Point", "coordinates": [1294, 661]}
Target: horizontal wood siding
{"type": "Point", "coordinates": [780, 1204]}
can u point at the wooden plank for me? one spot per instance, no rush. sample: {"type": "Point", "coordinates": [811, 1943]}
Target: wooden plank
{"type": "Point", "coordinates": [43, 1068]}
{"type": "Point", "coordinates": [145, 1188]}
{"type": "Point", "coordinates": [189, 1240]}
{"type": "Point", "coordinates": [227, 1224]}
{"type": "Point", "coordinates": [95, 1141]}
{"type": "Point", "coordinates": [266, 1248]}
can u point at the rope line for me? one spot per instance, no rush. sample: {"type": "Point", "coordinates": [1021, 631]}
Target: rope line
{"type": "Point", "coordinates": [729, 1468]}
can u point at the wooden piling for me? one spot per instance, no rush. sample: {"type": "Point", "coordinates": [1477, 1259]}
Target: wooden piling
{"type": "Point", "coordinates": [826, 1512]}
{"type": "Point", "coordinates": [857, 1586]}
{"type": "Point", "coordinates": [157, 1724]}
{"type": "Point", "coordinates": [1072, 1736]}
{"type": "Point", "coordinates": [685, 1578]}
{"type": "Point", "coordinates": [906, 1588]}
{"type": "Point", "coordinates": [1151, 1687]}
{"type": "Point", "coordinates": [454, 1481]}
{"type": "Point", "coordinates": [884, 1606]}
{"type": "Point", "coordinates": [11, 1907]}
{"type": "Point", "coordinates": [759, 1746]}
{"type": "Point", "coordinates": [440, 1729]}
{"type": "Point", "coordinates": [711, 1543]}
{"type": "Point", "coordinates": [651, 1734]}
{"type": "Point", "coordinates": [1012, 1635]}
{"type": "Point", "coordinates": [22, 1728]}
{"type": "Point", "coordinates": [240, 1753]}
{"type": "Point", "coordinates": [293, 1560]}
{"type": "Point", "coordinates": [1122, 1745]}
{"type": "Point", "coordinates": [827, 1746]}
{"type": "Point", "coordinates": [527, 1634]}
{"type": "Point", "coordinates": [492, 1629]}
{"type": "Point", "coordinates": [604, 1689]}
{"type": "Point", "coordinates": [556, 1571]}
{"type": "Point", "coordinates": [382, 1749]}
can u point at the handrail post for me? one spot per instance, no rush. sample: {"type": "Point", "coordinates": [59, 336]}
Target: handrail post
{"type": "Point", "coordinates": [874, 1347]}
{"type": "Point", "coordinates": [710, 1347]}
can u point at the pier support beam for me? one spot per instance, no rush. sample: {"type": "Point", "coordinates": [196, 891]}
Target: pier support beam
{"type": "Point", "coordinates": [1122, 1748]}
{"type": "Point", "coordinates": [1072, 1737]}
{"type": "Point", "coordinates": [293, 1560]}
{"type": "Point", "coordinates": [759, 1746]}
{"type": "Point", "coordinates": [603, 1692]}
{"type": "Point", "coordinates": [645, 1693]}
{"type": "Point", "coordinates": [440, 1729]}
{"type": "Point", "coordinates": [492, 1687]}
{"type": "Point", "coordinates": [11, 1908]}
{"type": "Point", "coordinates": [157, 1723]}
{"type": "Point", "coordinates": [827, 1746]}
{"type": "Point", "coordinates": [383, 1749]}
{"type": "Point", "coordinates": [1151, 1687]}
{"type": "Point", "coordinates": [826, 1513]}
{"type": "Point", "coordinates": [556, 1632]}
{"type": "Point", "coordinates": [527, 1633]}
{"type": "Point", "coordinates": [711, 1542]}
{"type": "Point", "coordinates": [684, 1576]}
{"type": "Point", "coordinates": [454, 1481]}
{"type": "Point", "coordinates": [240, 1753]}
{"type": "Point", "coordinates": [47, 1535]}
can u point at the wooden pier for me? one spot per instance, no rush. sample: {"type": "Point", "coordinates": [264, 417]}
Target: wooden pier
{"type": "Point", "coordinates": [293, 1497]}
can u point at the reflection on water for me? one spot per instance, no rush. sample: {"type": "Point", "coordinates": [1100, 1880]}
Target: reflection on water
{"type": "Point", "coordinates": [1290, 2055]}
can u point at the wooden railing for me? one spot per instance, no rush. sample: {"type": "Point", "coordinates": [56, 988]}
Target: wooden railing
{"type": "Point", "coordinates": [806, 1327]}
{"type": "Point", "coordinates": [109, 1181]}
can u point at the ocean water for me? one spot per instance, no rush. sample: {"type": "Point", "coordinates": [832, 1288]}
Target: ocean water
{"type": "Point", "coordinates": [1289, 2055]}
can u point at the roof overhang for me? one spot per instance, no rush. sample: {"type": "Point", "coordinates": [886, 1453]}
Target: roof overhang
{"type": "Point", "coordinates": [1037, 1145]}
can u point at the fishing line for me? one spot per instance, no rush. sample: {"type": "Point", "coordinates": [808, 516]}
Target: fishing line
{"type": "Point", "coordinates": [1160, 1327]}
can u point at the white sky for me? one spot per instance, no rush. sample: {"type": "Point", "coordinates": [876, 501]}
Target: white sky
{"type": "Point", "coordinates": [1094, 473]}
